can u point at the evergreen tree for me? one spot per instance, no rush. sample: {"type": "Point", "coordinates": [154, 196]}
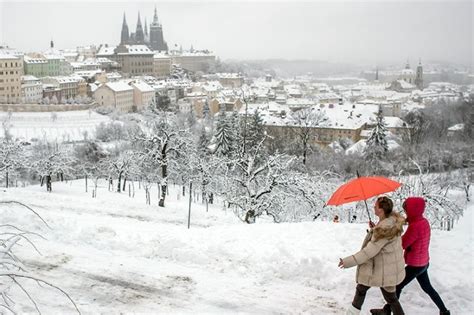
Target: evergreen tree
{"type": "Point", "coordinates": [255, 131]}
{"type": "Point", "coordinates": [224, 136]}
{"type": "Point", "coordinates": [377, 146]}
{"type": "Point", "coordinates": [203, 142]}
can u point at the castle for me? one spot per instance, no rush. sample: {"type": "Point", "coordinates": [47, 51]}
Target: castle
{"type": "Point", "coordinates": [153, 39]}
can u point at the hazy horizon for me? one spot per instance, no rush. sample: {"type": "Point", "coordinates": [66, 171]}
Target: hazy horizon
{"type": "Point", "coordinates": [343, 32]}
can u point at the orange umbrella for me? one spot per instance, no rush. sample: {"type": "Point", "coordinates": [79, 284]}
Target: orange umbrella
{"type": "Point", "coordinates": [362, 188]}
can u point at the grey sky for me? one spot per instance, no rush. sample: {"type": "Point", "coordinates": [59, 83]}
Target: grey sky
{"type": "Point", "coordinates": [350, 31]}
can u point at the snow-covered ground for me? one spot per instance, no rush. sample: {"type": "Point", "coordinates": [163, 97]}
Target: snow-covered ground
{"type": "Point", "coordinates": [53, 126]}
{"type": "Point", "coordinates": [114, 254]}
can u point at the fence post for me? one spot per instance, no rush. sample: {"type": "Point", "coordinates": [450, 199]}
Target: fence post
{"type": "Point", "coordinates": [190, 196]}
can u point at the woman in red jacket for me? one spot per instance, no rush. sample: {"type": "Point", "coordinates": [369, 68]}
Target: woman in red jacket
{"type": "Point", "coordinates": [416, 242]}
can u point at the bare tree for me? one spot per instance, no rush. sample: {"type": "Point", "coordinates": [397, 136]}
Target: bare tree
{"type": "Point", "coordinates": [304, 123]}
{"type": "Point", "coordinates": [13, 273]}
{"type": "Point", "coordinates": [164, 146]}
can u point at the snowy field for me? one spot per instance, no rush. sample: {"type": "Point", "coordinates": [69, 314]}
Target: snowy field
{"type": "Point", "coordinates": [114, 254]}
{"type": "Point", "coordinates": [53, 126]}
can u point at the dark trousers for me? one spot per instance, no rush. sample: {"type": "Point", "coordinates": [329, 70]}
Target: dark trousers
{"type": "Point", "coordinates": [421, 274]}
{"type": "Point", "coordinates": [390, 297]}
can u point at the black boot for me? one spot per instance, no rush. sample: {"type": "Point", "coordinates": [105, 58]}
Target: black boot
{"type": "Point", "coordinates": [381, 311]}
{"type": "Point", "coordinates": [445, 313]}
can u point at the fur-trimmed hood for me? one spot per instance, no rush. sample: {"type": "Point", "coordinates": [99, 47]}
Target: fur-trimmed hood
{"type": "Point", "coordinates": [389, 227]}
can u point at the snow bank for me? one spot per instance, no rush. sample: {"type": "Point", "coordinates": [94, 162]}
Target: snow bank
{"type": "Point", "coordinates": [114, 254]}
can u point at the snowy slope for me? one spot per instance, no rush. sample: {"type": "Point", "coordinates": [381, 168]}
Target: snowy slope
{"type": "Point", "coordinates": [114, 254]}
{"type": "Point", "coordinates": [53, 126]}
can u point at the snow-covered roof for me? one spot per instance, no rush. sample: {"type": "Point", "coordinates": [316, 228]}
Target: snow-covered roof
{"type": "Point", "coordinates": [405, 85]}
{"type": "Point", "coordinates": [32, 60]}
{"type": "Point", "coordinates": [142, 86]}
{"type": "Point", "coordinates": [119, 86]}
{"type": "Point", "coordinates": [359, 147]}
{"type": "Point", "coordinates": [28, 78]}
{"type": "Point", "coordinates": [8, 56]}
{"type": "Point", "coordinates": [113, 75]}
{"type": "Point", "coordinates": [161, 56]}
{"type": "Point", "coordinates": [137, 50]}
{"type": "Point", "coordinates": [63, 79]}
{"type": "Point", "coordinates": [224, 75]}
{"type": "Point", "coordinates": [394, 122]}
{"type": "Point", "coordinates": [106, 50]}
{"type": "Point", "coordinates": [346, 116]}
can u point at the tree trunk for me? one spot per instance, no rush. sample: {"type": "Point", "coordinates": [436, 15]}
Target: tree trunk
{"type": "Point", "coordinates": [86, 182]}
{"type": "Point", "coordinates": [119, 182]}
{"type": "Point", "coordinates": [6, 179]}
{"type": "Point", "coordinates": [124, 184]}
{"type": "Point", "coordinates": [164, 185]}
{"type": "Point", "coordinates": [305, 151]}
{"type": "Point", "coordinates": [250, 217]}
{"type": "Point", "coordinates": [49, 187]}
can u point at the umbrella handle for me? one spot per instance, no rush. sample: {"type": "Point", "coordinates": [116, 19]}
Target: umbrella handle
{"type": "Point", "coordinates": [367, 208]}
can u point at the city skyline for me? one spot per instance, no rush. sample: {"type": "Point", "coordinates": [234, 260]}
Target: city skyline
{"type": "Point", "coordinates": [355, 32]}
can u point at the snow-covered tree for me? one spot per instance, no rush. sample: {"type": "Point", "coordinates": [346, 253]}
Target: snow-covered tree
{"type": "Point", "coordinates": [12, 159]}
{"type": "Point", "coordinates": [90, 160]}
{"type": "Point", "coordinates": [224, 138]}
{"type": "Point", "coordinates": [304, 123]}
{"type": "Point", "coordinates": [48, 160]}
{"type": "Point", "coordinates": [163, 144]}
{"type": "Point", "coordinates": [255, 131]}
{"type": "Point", "coordinates": [254, 184]}
{"type": "Point", "coordinates": [435, 189]}
{"type": "Point", "coordinates": [377, 146]}
{"type": "Point", "coordinates": [121, 166]}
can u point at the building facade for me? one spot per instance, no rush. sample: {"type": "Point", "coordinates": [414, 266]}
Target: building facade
{"type": "Point", "coordinates": [31, 89]}
{"type": "Point", "coordinates": [115, 94]}
{"type": "Point", "coordinates": [133, 60]}
{"type": "Point", "coordinates": [194, 61]}
{"type": "Point", "coordinates": [143, 95]}
{"type": "Point", "coordinates": [11, 70]}
{"type": "Point", "coordinates": [161, 65]}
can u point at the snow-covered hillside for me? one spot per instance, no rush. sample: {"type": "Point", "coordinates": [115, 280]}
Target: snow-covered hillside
{"type": "Point", "coordinates": [52, 126]}
{"type": "Point", "coordinates": [114, 254]}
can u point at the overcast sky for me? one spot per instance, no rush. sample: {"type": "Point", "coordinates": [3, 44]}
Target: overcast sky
{"type": "Point", "coordinates": [340, 31]}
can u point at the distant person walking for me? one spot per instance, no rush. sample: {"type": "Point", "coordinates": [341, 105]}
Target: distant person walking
{"type": "Point", "coordinates": [380, 261]}
{"type": "Point", "coordinates": [416, 243]}
{"type": "Point", "coordinates": [336, 219]}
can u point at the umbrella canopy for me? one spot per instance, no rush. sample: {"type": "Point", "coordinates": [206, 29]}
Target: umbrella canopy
{"type": "Point", "coordinates": [362, 188]}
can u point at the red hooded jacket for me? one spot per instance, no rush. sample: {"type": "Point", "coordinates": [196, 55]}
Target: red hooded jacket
{"type": "Point", "coordinates": [416, 240]}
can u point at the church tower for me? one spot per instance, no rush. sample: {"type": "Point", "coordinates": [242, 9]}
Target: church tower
{"type": "Point", "coordinates": [147, 38]}
{"type": "Point", "coordinates": [125, 37]}
{"type": "Point", "coordinates": [139, 36]}
{"type": "Point", "coordinates": [419, 76]}
{"type": "Point", "coordinates": [157, 41]}
{"type": "Point", "coordinates": [377, 73]}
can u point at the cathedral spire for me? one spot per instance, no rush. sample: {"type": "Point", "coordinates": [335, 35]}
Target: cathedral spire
{"type": "Point", "coordinates": [407, 66]}
{"type": "Point", "coordinates": [155, 17]}
{"type": "Point", "coordinates": [139, 36]}
{"type": "Point", "coordinates": [125, 36]}
{"type": "Point", "coordinates": [146, 28]}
